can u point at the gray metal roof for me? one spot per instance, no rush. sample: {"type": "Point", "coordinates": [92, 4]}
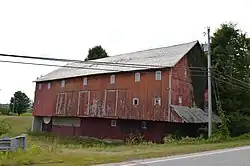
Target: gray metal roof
{"type": "Point", "coordinates": [153, 58]}
{"type": "Point", "coordinates": [194, 115]}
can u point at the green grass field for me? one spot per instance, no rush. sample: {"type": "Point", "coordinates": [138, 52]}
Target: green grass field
{"type": "Point", "coordinates": [62, 151]}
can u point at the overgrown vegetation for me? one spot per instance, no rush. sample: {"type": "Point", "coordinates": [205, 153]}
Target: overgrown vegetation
{"type": "Point", "coordinates": [230, 61]}
{"type": "Point", "coordinates": [4, 127]}
{"type": "Point", "coordinates": [47, 148]}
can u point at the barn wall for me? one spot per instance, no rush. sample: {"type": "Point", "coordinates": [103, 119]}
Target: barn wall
{"type": "Point", "coordinates": [66, 126]}
{"type": "Point", "coordinates": [100, 98]}
{"type": "Point", "coordinates": [182, 84]}
{"type": "Point", "coordinates": [102, 128]}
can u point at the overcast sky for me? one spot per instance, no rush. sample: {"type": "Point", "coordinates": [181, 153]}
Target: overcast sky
{"type": "Point", "coordinates": [67, 29]}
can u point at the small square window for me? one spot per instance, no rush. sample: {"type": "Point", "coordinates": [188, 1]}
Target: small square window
{"type": "Point", "coordinates": [137, 77]}
{"type": "Point", "coordinates": [158, 75]}
{"type": "Point", "coordinates": [113, 123]}
{"type": "Point", "coordinates": [112, 79]}
{"type": "Point", "coordinates": [180, 99]}
{"type": "Point", "coordinates": [135, 101]}
{"type": "Point", "coordinates": [49, 85]}
{"type": "Point", "coordinates": [85, 81]}
{"type": "Point", "coordinates": [39, 86]}
{"type": "Point", "coordinates": [62, 83]}
{"type": "Point", "coordinates": [143, 125]}
{"type": "Point", "coordinates": [157, 100]}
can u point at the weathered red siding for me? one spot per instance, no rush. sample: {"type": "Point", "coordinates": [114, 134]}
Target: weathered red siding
{"type": "Point", "coordinates": [181, 84]}
{"type": "Point", "coordinates": [100, 98]}
{"type": "Point", "coordinates": [66, 130]}
{"type": "Point", "coordinates": [101, 128]}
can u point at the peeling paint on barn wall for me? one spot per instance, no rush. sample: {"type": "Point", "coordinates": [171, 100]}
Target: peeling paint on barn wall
{"type": "Point", "coordinates": [182, 84]}
{"type": "Point", "coordinates": [97, 100]}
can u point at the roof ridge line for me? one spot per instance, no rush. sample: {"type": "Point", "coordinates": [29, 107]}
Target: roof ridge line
{"type": "Point", "coordinates": [151, 49]}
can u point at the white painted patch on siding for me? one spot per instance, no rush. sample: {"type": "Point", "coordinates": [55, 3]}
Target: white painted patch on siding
{"type": "Point", "coordinates": [46, 119]}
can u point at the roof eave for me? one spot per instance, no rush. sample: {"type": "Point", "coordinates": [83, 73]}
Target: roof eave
{"type": "Point", "coordinates": [45, 80]}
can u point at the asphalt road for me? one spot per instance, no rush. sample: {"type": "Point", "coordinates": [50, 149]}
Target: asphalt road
{"type": "Point", "coordinates": [227, 157]}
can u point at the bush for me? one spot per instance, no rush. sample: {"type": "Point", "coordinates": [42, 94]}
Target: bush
{"type": "Point", "coordinates": [4, 111]}
{"type": "Point", "coordinates": [134, 139]}
{"type": "Point", "coordinates": [4, 127]}
{"type": "Point", "coordinates": [169, 139]}
{"type": "Point", "coordinates": [71, 142]}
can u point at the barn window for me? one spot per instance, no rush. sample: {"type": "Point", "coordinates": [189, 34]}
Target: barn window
{"type": "Point", "coordinates": [113, 123]}
{"type": "Point", "coordinates": [137, 77]}
{"type": "Point", "coordinates": [39, 86]}
{"type": "Point", "coordinates": [38, 101]}
{"type": "Point", "coordinates": [85, 81]}
{"type": "Point", "coordinates": [62, 83]}
{"type": "Point", "coordinates": [185, 73]}
{"type": "Point", "coordinates": [112, 79]}
{"type": "Point", "coordinates": [135, 101]}
{"type": "Point", "coordinates": [157, 100]}
{"type": "Point", "coordinates": [158, 75]}
{"type": "Point", "coordinates": [143, 125]}
{"type": "Point", "coordinates": [180, 99]}
{"type": "Point", "coordinates": [49, 85]}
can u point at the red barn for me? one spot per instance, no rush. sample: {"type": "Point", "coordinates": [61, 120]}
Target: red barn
{"type": "Point", "coordinates": [143, 92]}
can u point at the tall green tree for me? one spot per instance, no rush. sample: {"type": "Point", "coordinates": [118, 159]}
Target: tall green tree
{"type": "Point", "coordinates": [96, 52]}
{"type": "Point", "coordinates": [230, 62]}
{"type": "Point", "coordinates": [19, 103]}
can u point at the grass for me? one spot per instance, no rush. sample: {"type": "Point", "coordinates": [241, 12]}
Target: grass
{"type": "Point", "coordinates": [71, 152]}
{"type": "Point", "coordinates": [19, 124]}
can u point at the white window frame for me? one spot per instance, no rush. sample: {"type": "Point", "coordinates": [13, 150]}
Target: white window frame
{"type": "Point", "coordinates": [112, 79]}
{"type": "Point", "coordinates": [144, 125]}
{"type": "Point", "coordinates": [40, 86]}
{"type": "Point", "coordinates": [158, 75]}
{"type": "Point", "coordinates": [62, 83]}
{"type": "Point", "coordinates": [137, 77]}
{"type": "Point", "coordinates": [159, 100]}
{"type": "Point", "coordinates": [85, 81]}
{"type": "Point", "coordinates": [49, 85]}
{"type": "Point", "coordinates": [38, 101]}
{"type": "Point", "coordinates": [136, 99]}
{"type": "Point", "coordinates": [185, 73]}
{"type": "Point", "coordinates": [113, 123]}
{"type": "Point", "coordinates": [179, 99]}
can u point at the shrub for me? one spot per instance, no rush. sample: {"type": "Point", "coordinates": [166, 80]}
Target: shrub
{"type": "Point", "coordinates": [4, 111]}
{"type": "Point", "coordinates": [169, 139]}
{"type": "Point", "coordinates": [4, 127]}
{"type": "Point", "coordinates": [134, 139]}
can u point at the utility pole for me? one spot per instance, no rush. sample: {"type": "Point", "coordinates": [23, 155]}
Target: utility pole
{"type": "Point", "coordinates": [209, 85]}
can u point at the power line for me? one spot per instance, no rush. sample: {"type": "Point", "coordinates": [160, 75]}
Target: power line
{"type": "Point", "coordinates": [240, 81]}
{"type": "Point", "coordinates": [91, 62]}
{"type": "Point", "coordinates": [74, 67]}
{"type": "Point", "coordinates": [221, 80]}
{"type": "Point", "coordinates": [51, 65]}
